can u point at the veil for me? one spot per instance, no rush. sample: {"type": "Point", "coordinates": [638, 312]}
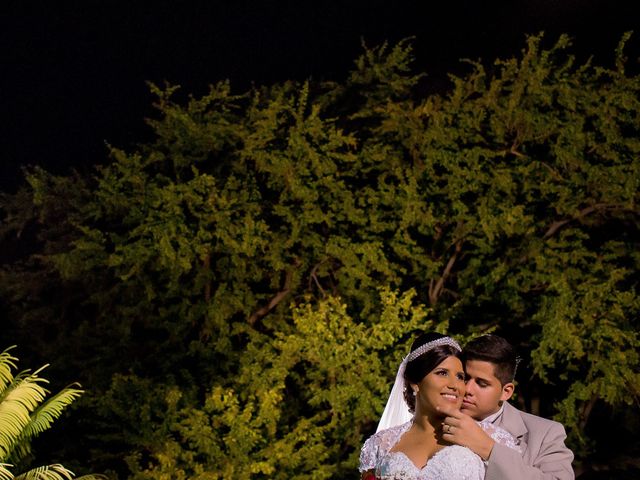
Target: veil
{"type": "Point", "coordinates": [396, 412]}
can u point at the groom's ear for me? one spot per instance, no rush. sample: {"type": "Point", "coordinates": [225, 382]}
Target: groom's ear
{"type": "Point", "coordinates": [507, 391]}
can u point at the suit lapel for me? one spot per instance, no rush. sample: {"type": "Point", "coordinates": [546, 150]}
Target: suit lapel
{"type": "Point", "coordinates": [512, 422]}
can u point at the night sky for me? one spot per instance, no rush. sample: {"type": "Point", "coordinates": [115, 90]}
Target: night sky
{"type": "Point", "coordinates": [73, 73]}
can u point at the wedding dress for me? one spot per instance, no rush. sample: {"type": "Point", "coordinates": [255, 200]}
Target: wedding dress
{"type": "Point", "coordinates": [450, 463]}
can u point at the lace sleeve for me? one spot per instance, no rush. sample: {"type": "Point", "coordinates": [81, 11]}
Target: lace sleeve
{"type": "Point", "coordinates": [369, 454]}
{"type": "Point", "coordinates": [501, 436]}
{"type": "Point", "coordinates": [378, 444]}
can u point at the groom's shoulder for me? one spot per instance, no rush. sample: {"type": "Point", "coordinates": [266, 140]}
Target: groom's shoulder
{"type": "Point", "coordinates": [534, 422]}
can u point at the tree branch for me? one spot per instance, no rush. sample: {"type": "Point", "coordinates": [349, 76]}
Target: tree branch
{"type": "Point", "coordinates": [276, 299]}
{"type": "Point", "coordinates": [586, 411]}
{"type": "Point", "coordinates": [206, 265]}
{"type": "Point", "coordinates": [435, 290]}
{"type": "Point", "coordinates": [558, 224]}
{"type": "Point", "coordinates": [314, 277]}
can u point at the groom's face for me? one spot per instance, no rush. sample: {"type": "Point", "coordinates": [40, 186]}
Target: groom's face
{"type": "Point", "coordinates": [484, 390]}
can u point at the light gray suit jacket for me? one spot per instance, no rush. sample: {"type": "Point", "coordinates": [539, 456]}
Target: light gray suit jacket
{"type": "Point", "coordinates": [544, 454]}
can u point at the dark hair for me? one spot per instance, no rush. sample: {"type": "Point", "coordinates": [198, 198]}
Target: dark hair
{"type": "Point", "coordinates": [496, 350]}
{"type": "Point", "coordinates": [418, 368]}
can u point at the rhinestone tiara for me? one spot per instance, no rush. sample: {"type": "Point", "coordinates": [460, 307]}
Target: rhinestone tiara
{"type": "Point", "coordinates": [422, 349]}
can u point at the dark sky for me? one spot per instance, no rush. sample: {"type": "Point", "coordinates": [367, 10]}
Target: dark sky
{"type": "Point", "coordinates": [73, 72]}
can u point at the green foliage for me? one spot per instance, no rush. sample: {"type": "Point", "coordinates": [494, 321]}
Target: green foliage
{"type": "Point", "coordinates": [51, 472]}
{"type": "Point", "coordinates": [230, 268]}
{"type": "Point", "coordinates": [25, 412]}
{"type": "Point", "coordinates": [295, 405]}
{"type": "Point", "coordinates": [587, 332]}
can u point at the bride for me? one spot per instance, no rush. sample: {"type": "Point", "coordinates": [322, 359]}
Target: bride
{"type": "Point", "coordinates": [411, 447]}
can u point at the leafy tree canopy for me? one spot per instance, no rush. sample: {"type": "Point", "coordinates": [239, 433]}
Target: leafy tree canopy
{"type": "Point", "coordinates": [234, 264]}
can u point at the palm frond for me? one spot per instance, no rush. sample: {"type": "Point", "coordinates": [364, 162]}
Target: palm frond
{"type": "Point", "coordinates": [20, 377]}
{"type": "Point", "coordinates": [7, 365]}
{"type": "Point", "coordinates": [24, 414]}
{"type": "Point", "coordinates": [42, 419]}
{"type": "Point", "coordinates": [15, 410]}
{"type": "Point", "coordinates": [50, 472]}
{"type": "Point", "coordinates": [92, 476]}
{"type": "Point", "coordinates": [5, 473]}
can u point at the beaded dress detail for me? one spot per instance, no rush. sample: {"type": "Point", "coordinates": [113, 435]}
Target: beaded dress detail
{"type": "Point", "coordinates": [450, 463]}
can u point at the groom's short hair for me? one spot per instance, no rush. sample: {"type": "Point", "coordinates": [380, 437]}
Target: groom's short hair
{"type": "Point", "coordinates": [496, 350]}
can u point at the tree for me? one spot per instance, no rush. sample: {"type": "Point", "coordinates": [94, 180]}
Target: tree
{"type": "Point", "coordinates": [298, 400]}
{"type": "Point", "coordinates": [508, 202]}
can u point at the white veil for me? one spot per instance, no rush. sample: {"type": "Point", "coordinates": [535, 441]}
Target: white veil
{"type": "Point", "coordinates": [396, 412]}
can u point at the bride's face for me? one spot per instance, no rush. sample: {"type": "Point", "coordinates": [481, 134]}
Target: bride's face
{"type": "Point", "coordinates": [442, 386]}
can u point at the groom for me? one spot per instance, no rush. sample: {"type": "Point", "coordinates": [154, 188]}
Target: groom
{"type": "Point", "coordinates": [490, 364]}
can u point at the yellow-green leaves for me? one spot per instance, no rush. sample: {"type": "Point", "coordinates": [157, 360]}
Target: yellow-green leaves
{"type": "Point", "coordinates": [238, 256]}
{"type": "Point", "coordinates": [299, 401]}
{"type": "Point", "coordinates": [25, 412]}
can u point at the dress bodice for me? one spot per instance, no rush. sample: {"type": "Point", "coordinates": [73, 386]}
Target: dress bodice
{"type": "Point", "coordinates": [450, 463]}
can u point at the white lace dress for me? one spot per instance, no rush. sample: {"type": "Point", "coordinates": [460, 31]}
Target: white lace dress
{"type": "Point", "coordinates": [450, 463]}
